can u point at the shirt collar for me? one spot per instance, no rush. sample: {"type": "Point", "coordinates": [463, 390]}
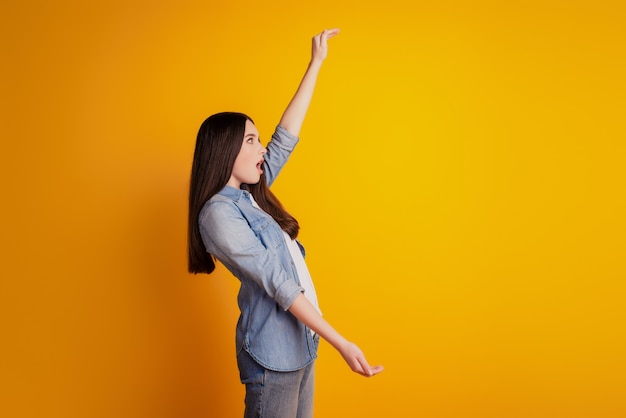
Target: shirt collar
{"type": "Point", "coordinates": [232, 193]}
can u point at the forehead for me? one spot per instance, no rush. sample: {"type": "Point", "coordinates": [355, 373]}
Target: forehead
{"type": "Point", "coordinates": [250, 129]}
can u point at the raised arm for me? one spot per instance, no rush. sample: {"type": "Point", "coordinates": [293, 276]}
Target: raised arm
{"type": "Point", "coordinates": [296, 110]}
{"type": "Point", "coordinates": [302, 309]}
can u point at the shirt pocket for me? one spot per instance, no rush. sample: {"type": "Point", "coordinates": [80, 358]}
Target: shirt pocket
{"type": "Point", "coordinates": [267, 231]}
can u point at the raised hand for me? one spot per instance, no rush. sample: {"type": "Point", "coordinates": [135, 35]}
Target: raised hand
{"type": "Point", "coordinates": [298, 106]}
{"type": "Point", "coordinates": [319, 49]}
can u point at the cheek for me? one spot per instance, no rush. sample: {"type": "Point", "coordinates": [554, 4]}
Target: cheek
{"type": "Point", "coordinates": [243, 162]}
{"type": "Point", "coordinates": [250, 159]}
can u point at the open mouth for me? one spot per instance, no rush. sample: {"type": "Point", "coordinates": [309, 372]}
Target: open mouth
{"type": "Point", "coordinates": [259, 166]}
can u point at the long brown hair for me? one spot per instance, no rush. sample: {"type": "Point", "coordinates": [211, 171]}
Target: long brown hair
{"type": "Point", "coordinates": [218, 143]}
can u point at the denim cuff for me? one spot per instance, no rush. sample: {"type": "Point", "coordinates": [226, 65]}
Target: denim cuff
{"type": "Point", "coordinates": [284, 138]}
{"type": "Point", "coordinates": [287, 293]}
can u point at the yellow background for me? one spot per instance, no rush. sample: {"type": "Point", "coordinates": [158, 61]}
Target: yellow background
{"type": "Point", "coordinates": [460, 183]}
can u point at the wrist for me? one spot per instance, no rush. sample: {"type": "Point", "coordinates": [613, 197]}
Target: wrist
{"type": "Point", "coordinates": [340, 343]}
{"type": "Point", "coordinates": [315, 63]}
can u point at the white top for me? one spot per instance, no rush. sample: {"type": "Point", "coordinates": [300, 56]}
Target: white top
{"type": "Point", "coordinates": [303, 272]}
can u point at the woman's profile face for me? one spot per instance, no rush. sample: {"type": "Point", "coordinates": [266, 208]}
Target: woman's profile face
{"type": "Point", "coordinates": [249, 161]}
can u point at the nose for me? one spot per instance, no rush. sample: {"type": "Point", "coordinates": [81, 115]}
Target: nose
{"type": "Point", "coordinates": [263, 150]}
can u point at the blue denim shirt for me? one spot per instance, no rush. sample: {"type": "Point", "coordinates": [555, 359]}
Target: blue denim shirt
{"type": "Point", "coordinates": [251, 245]}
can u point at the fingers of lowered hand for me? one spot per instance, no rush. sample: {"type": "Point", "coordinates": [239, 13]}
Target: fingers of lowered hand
{"type": "Point", "coordinates": [374, 370]}
{"type": "Point", "coordinates": [364, 365]}
{"type": "Point", "coordinates": [369, 371]}
{"type": "Point", "coordinates": [357, 361]}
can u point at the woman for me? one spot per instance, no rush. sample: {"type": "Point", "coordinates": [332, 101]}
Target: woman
{"type": "Point", "coordinates": [235, 218]}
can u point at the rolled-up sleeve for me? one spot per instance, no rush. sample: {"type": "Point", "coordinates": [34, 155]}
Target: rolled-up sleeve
{"type": "Point", "coordinates": [279, 149]}
{"type": "Point", "coordinates": [228, 236]}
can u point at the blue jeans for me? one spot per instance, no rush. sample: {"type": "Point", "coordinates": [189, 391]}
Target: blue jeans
{"type": "Point", "coordinates": [271, 394]}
